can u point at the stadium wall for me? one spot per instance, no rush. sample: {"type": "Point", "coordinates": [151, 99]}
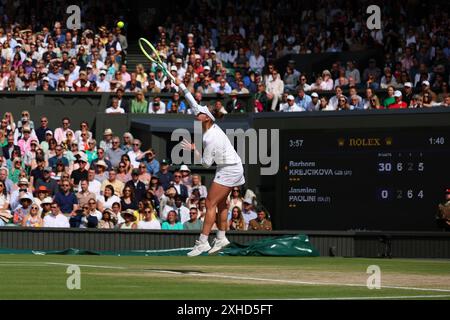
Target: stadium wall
{"type": "Point", "coordinates": [341, 244]}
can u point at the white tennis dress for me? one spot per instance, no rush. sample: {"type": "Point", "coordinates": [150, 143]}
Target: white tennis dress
{"type": "Point", "coordinates": [218, 149]}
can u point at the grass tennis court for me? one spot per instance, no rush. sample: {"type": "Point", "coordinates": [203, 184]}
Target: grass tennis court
{"type": "Point", "coordinates": [220, 277]}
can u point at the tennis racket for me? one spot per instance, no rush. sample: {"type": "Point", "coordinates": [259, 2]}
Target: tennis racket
{"type": "Point", "coordinates": [154, 57]}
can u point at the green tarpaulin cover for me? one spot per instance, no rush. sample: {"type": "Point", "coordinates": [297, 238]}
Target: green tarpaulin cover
{"type": "Point", "coordinates": [286, 246]}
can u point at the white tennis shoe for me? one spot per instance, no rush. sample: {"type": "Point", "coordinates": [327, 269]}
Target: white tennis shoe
{"type": "Point", "coordinates": [199, 248]}
{"type": "Point", "coordinates": [218, 244]}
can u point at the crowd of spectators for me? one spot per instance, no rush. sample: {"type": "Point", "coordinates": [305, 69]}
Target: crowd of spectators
{"type": "Point", "coordinates": [215, 50]}
{"type": "Point", "coordinates": [62, 177]}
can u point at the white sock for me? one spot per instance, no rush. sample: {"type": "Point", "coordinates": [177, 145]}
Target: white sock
{"type": "Point", "coordinates": [203, 238]}
{"type": "Point", "coordinates": [220, 234]}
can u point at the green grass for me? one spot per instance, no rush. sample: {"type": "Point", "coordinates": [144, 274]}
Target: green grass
{"type": "Point", "coordinates": [32, 277]}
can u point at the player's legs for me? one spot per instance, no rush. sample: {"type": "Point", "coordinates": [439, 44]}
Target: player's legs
{"type": "Point", "coordinates": [217, 195]}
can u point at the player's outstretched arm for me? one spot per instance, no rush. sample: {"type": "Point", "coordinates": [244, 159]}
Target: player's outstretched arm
{"type": "Point", "coordinates": [188, 96]}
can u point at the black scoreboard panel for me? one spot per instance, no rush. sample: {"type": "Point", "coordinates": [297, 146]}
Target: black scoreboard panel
{"type": "Point", "coordinates": [363, 179]}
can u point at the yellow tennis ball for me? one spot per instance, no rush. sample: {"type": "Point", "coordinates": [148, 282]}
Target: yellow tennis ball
{"type": "Point", "coordinates": [120, 24]}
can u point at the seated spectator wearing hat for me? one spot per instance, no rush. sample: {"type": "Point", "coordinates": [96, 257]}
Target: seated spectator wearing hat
{"type": "Point", "coordinates": [22, 190]}
{"type": "Point", "coordinates": [149, 222]}
{"type": "Point", "coordinates": [22, 210]}
{"type": "Point", "coordinates": [164, 175]}
{"type": "Point", "coordinates": [128, 216]}
{"type": "Point", "coordinates": [172, 223]}
{"type": "Point", "coordinates": [194, 223]}
{"type": "Point", "coordinates": [82, 172]}
{"type": "Point", "coordinates": [290, 105]}
{"type": "Point", "coordinates": [398, 104]}
{"type": "Point", "coordinates": [46, 181]}
{"type": "Point", "coordinates": [40, 194]}
{"type": "Point", "coordinates": [45, 207]}
{"type": "Point", "coordinates": [248, 212]}
{"type": "Point", "coordinates": [136, 185]}
{"type": "Point", "coordinates": [106, 142]}
{"type": "Point", "coordinates": [261, 223]}
{"type": "Point", "coordinates": [314, 105]}
{"type": "Point", "coordinates": [234, 105]}
{"type": "Point", "coordinates": [408, 92]}
{"type": "Point", "coordinates": [103, 85]}
{"type": "Point", "coordinates": [56, 219]}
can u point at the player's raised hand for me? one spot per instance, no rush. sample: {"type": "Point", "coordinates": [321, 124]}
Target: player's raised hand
{"type": "Point", "coordinates": [186, 145]}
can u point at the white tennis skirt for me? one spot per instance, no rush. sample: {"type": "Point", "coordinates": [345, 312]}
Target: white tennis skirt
{"type": "Point", "coordinates": [230, 176]}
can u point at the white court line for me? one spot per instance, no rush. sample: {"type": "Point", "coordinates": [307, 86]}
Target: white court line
{"type": "Point", "coordinates": [223, 276]}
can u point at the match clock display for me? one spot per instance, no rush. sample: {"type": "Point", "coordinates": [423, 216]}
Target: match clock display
{"type": "Point", "coordinates": [371, 179]}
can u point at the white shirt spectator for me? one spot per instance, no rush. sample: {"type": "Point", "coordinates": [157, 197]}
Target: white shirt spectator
{"type": "Point", "coordinates": [161, 110]}
{"type": "Point", "coordinates": [108, 203]}
{"type": "Point", "coordinates": [149, 225]}
{"type": "Point", "coordinates": [58, 221]}
{"type": "Point", "coordinates": [257, 63]}
{"type": "Point", "coordinates": [115, 110]}
{"type": "Point", "coordinates": [183, 213]}
{"type": "Point", "coordinates": [103, 86]}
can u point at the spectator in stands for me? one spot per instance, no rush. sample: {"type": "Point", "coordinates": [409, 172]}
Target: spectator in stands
{"type": "Point", "coordinates": [398, 104]}
{"type": "Point", "coordinates": [236, 221]}
{"type": "Point", "coordinates": [234, 105]}
{"type": "Point", "coordinates": [84, 195]}
{"type": "Point", "coordinates": [101, 160]}
{"type": "Point", "coordinates": [390, 98]}
{"type": "Point", "coordinates": [260, 223]}
{"type": "Point", "coordinates": [290, 105]}
{"type": "Point", "coordinates": [375, 103]}
{"type": "Point", "coordinates": [138, 187]}
{"type": "Point", "coordinates": [66, 199]}
{"type": "Point", "coordinates": [275, 89]}
{"type": "Point", "coordinates": [61, 133]}
{"type": "Point", "coordinates": [302, 100]}
{"type": "Point", "coordinates": [112, 181]}
{"type": "Point", "coordinates": [107, 199]}
{"type": "Point", "coordinates": [45, 181]}
{"type": "Point", "coordinates": [128, 216]}
{"type": "Point", "coordinates": [314, 105]}
{"type": "Point", "coordinates": [139, 104]}
{"type": "Point", "coordinates": [107, 222]}
{"type": "Point", "coordinates": [115, 107]}
{"type": "Point", "coordinates": [261, 102]}
{"type": "Point", "coordinates": [149, 222]}
{"type": "Point", "coordinates": [56, 219]}
{"type": "Point", "coordinates": [193, 223]}
{"type": "Point", "coordinates": [157, 106]}
{"type": "Point", "coordinates": [248, 212]}
{"type": "Point", "coordinates": [172, 223]}
{"type": "Point", "coordinates": [176, 99]}
{"type": "Point", "coordinates": [114, 153]}
{"type": "Point", "coordinates": [177, 182]}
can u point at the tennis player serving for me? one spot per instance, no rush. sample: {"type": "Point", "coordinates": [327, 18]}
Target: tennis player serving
{"type": "Point", "coordinates": [229, 174]}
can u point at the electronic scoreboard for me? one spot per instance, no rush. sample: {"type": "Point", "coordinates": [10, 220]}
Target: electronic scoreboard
{"type": "Point", "coordinates": [363, 179]}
